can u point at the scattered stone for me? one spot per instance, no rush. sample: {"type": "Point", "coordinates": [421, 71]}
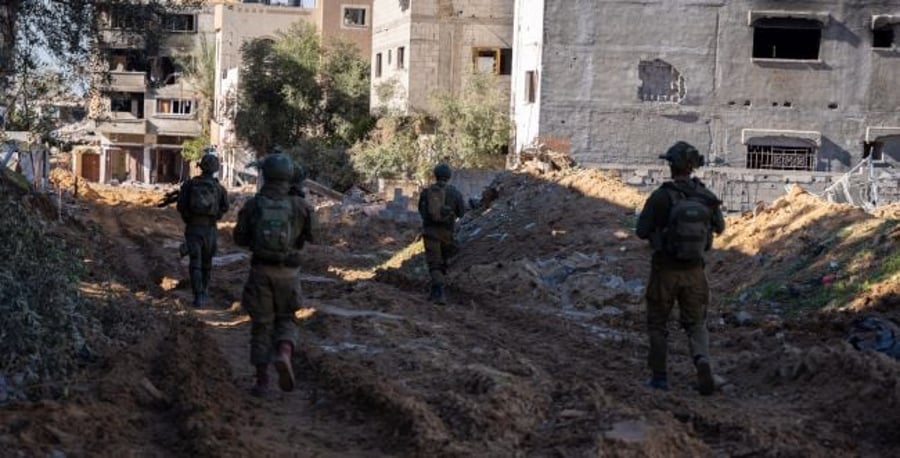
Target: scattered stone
{"type": "Point", "coordinates": [629, 431]}
{"type": "Point", "coordinates": [743, 318]}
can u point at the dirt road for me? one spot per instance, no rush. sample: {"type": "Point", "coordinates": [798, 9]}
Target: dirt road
{"type": "Point", "coordinates": [541, 351]}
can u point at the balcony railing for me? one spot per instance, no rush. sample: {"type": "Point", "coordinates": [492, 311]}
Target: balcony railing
{"type": "Point", "coordinates": [127, 81]}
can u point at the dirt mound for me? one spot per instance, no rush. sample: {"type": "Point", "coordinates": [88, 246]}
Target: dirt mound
{"type": "Point", "coordinates": [801, 252]}
{"type": "Point", "coordinates": [68, 181]}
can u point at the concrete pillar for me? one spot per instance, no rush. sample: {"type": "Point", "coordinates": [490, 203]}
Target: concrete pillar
{"type": "Point", "coordinates": [146, 165]}
{"type": "Point", "coordinates": [104, 158]}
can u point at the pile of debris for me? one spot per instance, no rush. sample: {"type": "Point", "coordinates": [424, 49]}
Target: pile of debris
{"type": "Point", "coordinates": [541, 159]}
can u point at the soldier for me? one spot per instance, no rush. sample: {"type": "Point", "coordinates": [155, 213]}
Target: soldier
{"type": "Point", "coordinates": [201, 202]}
{"type": "Point", "coordinates": [679, 219]}
{"type": "Point", "coordinates": [439, 206]}
{"type": "Point", "coordinates": [274, 225]}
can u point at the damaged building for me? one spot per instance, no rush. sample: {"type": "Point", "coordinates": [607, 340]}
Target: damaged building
{"type": "Point", "coordinates": [145, 109]}
{"type": "Point", "coordinates": [237, 22]}
{"type": "Point", "coordinates": [423, 47]}
{"type": "Point", "coordinates": [774, 92]}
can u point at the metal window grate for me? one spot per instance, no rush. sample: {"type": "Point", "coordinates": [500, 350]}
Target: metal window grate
{"type": "Point", "coordinates": [780, 157]}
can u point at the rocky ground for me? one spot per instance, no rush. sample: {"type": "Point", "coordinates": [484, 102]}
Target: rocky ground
{"type": "Point", "coordinates": [540, 351]}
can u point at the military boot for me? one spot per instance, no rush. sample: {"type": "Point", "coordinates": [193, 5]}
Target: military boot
{"type": "Point", "coordinates": [197, 288]}
{"type": "Point", "coordinates": [437, 295]}
{"type": "Point", "coordinates": [705, 382]}
{"type": "Point", "coordinates": [261, 388]}
{"type": "Point", "coordinates": [658, 382]}
{"type": "Point", "coordinates": [283, 365]}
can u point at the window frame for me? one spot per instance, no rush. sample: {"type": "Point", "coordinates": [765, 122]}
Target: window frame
{"type": "Point", "coordinates": [769, 24]}
{"type": "Point", "coordinates": [401, 57]}
{"type": "Point", "coordinates": [501, 55]}
{"type": "Point", "coordinates": [169, 17]}
{"type": "Point", "coordinates": [365, 17]}
{"type": "Point", "coordinates": [176, 102]}
{"type": "Point", "coordinates": [377, 68]}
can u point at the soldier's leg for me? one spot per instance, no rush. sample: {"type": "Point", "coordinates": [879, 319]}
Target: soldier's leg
{"type": "Point", "coordinates": [209, 251]}
{"type": "Point", "coordinates": [195, 252]}
{"type": "Point", "coordinates": [693, 302]}
{"type": "Point", "coordinates": [287, 302]}
{"type": "Point", "coordinates": [257, 300]}
{"type": "Point", "coordinates": [660, 300]}
{"type": "Point", "coordinates": [435, 261]}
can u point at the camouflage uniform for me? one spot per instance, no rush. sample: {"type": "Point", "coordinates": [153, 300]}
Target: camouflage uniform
{"type": "Point", "coordinates": [200, 235]}
{"type": "Point", "coordinates": [272, 292]}
{"type": "Point", "coordinates": [440, 245]}
{"type": "Point", "coordinates": [672, 280]}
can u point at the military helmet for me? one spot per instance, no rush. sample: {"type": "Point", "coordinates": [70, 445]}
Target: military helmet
{"type": "Point", "coordinates": [209, 163]}
{"type": "Point", "coordinates": [277, 167]}
{"type": "Point", "coordinates": [683, 156]}
{"type": "Point", "coordinates": [442, 171]}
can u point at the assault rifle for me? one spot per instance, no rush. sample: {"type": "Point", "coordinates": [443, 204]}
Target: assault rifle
{"type": "Point", "coordinates": [170, 198]}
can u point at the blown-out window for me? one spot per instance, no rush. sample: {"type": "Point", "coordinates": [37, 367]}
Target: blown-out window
{"type": "Point", "coordinates": [786, 38]}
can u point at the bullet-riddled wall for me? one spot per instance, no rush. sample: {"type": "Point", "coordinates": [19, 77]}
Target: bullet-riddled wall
{"type": "Point", "coordinates": [624, 80]}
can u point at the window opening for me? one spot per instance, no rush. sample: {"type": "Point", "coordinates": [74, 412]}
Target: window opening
{"type": "Point", "coordinates": [401, 57]}
{"type": "Point", "coordinates": [354, 17]}
{"type": "Point", "coordinates": [180, 23]}
{"type": "Point", "coordinates": [492, 60]}
{"type": "Point", "coordinates": [175, 106]}
{"type": "Point", "coordinates": [780, 157]}
{"type": "Point", "coordinates": [378, 65]}
{"type": "Point", "coordinates": [530, 86]}
{"type": "Point", "coordinates": [883, 37]}
{"type": "Point", "coordinates": [389, 57]}
{"type": "Point", "coordinates": [786, 38]}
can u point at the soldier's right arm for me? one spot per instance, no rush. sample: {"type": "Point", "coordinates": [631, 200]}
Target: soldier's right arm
{"type": "Point", "coordinates": [310, 225]}
{"type": "Point", "coordinates": [242, 230]}
{"type": "Point", "coordinates": [459, 203]}
{"type": "Point", "coordinates": [183, 200]}
{"type": "Point", "coordinates": [651, 218]}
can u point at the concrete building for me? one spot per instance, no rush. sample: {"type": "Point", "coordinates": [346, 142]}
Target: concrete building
{"type": "Point", "coordinates": [147, 108]}
{"type": "Point", "coordinates": [790, 91]}
{"type": "Point", "coordinates": [426, 46]}
{"type": "Point", "coordinates": [238, 22]}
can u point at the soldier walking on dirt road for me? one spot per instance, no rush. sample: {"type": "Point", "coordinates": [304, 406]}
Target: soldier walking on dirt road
{"type": "Point", "coordinates": [679, 219]}
{"type": "Point", "coordinates": [274, 225]}
{"type": "Point", "coordinates": [440, 205]}
{"type": "Point", "coordinates": [201, 202]}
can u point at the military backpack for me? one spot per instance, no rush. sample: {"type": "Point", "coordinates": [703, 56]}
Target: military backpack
{"type": "Point", "coordinates": [204, 198]}
{"type": "Point", "coordinates": [438, 210]}
{"type": "Point", "coordinates": [273, 232]}
{"type": "Point", "coordinates": [688, 233]}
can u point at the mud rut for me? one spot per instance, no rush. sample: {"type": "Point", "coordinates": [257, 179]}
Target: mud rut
{"type": "Point", "coordinates": [381, 371]}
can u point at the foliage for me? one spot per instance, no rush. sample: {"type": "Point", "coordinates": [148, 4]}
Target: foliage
{"type": "Point", "coordinates": [192, 150]}
{"type": "Point", "coordinates": [471, 131]}
{"type": "Point", "coordinates": [44, 317]}
{"type": "Point", "coordinates": [393, 151]}
{"type": "Point", "coordinates": [473, 128]}
{"type": "Point", "coordinates": [325, 163]}
{"type": "Point", "coordinates": [35, 86]}
{"type": "Point", "coordinates": [300, 96]}
{"type": "Point", "coordinates": [68, 30]}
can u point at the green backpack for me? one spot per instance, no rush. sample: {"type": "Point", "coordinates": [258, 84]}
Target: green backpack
{"type": "Point", "coordinates": [438, 211]}
{"type": "Point", "coordinates": [689, 231]}
{"type": "Point", "coordinates": [273, 234]}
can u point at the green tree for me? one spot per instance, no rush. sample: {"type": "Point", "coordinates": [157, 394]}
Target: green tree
{"type": "Point", "coordinates": [200, 73]}
{"type": "Point", "coordinates": [305, 98]}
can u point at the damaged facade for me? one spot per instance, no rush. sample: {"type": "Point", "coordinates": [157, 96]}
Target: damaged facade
{"type": "Point", "coordinates": [146, 108]}
{"type": "Point", "coordinates": [239, 22]}
{"type": "Point", "coordinates": [801, 91]}
{"type": "Point", "coordinates": [426, 46]}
